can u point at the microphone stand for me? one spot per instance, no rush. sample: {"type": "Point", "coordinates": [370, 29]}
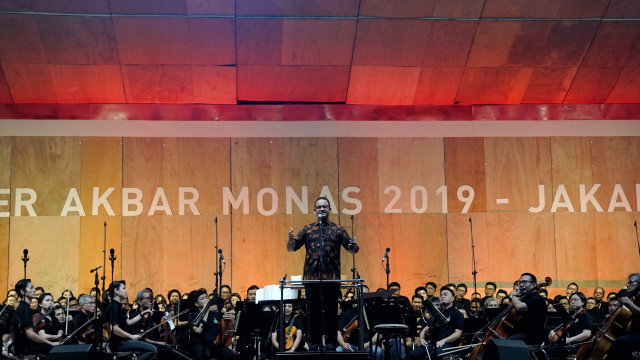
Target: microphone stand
{"type": "Point", "coordinates": [98, 323]}
{"type": "Point", "coordinates": [112, 258]}
{"type": "Point", "coordinates": [218, 271]}
{"type": "Point", "coordinates": [473, 258]}
{"type": "Point", "coordinates": [353, 255]}
{"type": "Point", "coordinates": [387, 270]}
{"type": "Point", "coordinates": [104, 257]}
{"type": "Point", "coordinates": [635, 223]}
{"type": "Point", "coordinates": [25, 258]}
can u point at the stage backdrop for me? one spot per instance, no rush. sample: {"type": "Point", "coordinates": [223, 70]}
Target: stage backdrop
{"type": "Point", "coordinates": [556, 206]}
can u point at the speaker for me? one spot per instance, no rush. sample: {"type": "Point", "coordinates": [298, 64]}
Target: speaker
{"type": "Point", "coordinates": [70, 352]}
{"type": "Point", "coordinates": [507, 349]}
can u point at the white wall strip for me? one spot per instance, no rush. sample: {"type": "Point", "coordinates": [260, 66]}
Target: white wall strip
{"type": "Point", "coordinates": [135, 128]}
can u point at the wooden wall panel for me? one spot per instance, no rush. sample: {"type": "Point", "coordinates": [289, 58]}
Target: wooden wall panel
{"type": "Point", "coordinates": [102, 168]}
{"type": "Point", "coordinates": [188, 254]}
{"type": "Point", "coordinates": [305, 161]}
{"type": "Point", "coordinates": [142, 250]}
{"type": "Point", "coordinates": [575, 244]}
{"type": "Point", "coordinates": [200, 163]}
{"type": "Point", "coordinates": [358, 166]}
{"type": "Point", "coordinates": [520, 242]}
{"type": "Point", "coordinates": [260, 250]}
{"type": "Point", "coordinates": [410, 162]}
{"type": "Point", "coordinates": [459, 249]}
{"type": "Point", "coordinates": [571, 167]}
{"type": "Point", "coordinates": [142, 164]}
{"type": "Point", "coordinates": [616, 160]}
{"type": "Point", "coordinates": [50, 166]}
{"type": "Point", "coordinates": [4, 257]}
{"type": "Point", "coordinates": [92, 243]}
{"type": "Point", "coordinates": [418, 254]}
{"type": "Point", "coordinates": [515, 168]}
{"type": "Point", "coordinates": [367, 227]}
{"type": "Point", "coordinates": [53, 243]}
{"type": "Point", "coordinates": [464, 164]}
{"type": "Point", "coordinates": [5, 183]}
{"type": "Point", "coordinates": [616, 246]}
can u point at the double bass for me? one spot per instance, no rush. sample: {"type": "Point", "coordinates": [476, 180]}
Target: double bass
{"type": "Point", "coordinates": [606, 335]}
{"type": "Point", "coordinates": [502, 326]}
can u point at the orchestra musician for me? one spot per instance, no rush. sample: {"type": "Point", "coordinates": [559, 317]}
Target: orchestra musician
{"type": "Point", "coordinates": [626, 344]}
{"type": "Point", "coordinates": [293, 329]}
{"type": "Point", "coordinates": [26, 340]}
{"type": "Point", "coordinates": [322, 240]}
{"type": "Point", "coordinates": [122, 337]}
{"type": "Point", "coordinates": [86, 313]}
{"type": "Point", "coordinates": [578, 328]}
{"type": "Point", "coordinates": [348, 332]}
{"type": "Point", "coordinates": [148, 320]}
{"type": "Point", "coordinates": [204, 322]}
{"type": "Point", "coordinates": [45, 322]}
{"type": "Point", "coordinates": [532, 311]}
{"type": "Point", "coordinates": [435, 339]}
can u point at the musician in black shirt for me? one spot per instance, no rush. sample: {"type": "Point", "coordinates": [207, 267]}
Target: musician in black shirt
{"type": "Point", "coordinates": [443, 336]}
{"type": "Point", "coordinates": [533, 311]}
{"type": "Point", "coordinates": [624, 345]}
{"type": "Point", "coordinates": [26, 340]}
{"type": "Point", "coordinates": [575, 330]}
{"type": "Point", "coordinates": [122, 338]}
{"type": "Point", "coordinates": [205, 330]}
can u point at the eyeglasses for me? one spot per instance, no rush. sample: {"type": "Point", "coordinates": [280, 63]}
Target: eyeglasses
{"type": "Point", "coordinates": [631, 282]}
{"type": "Point", "coordinates": [524, 282]}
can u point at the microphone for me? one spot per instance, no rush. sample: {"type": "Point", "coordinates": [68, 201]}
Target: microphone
{"type": "Point", "coordinates": [322, 218]}
{"type": "Point", "coordinates": [96, 269]}
{"type": "Point", "coordinates": [25, 256]}
{"type": "Point", "coordinates": [221, 256]}
{"type": "Point", "coordinates": [386, 254]}
{"type": "Point", "coordinates": [112, 252]}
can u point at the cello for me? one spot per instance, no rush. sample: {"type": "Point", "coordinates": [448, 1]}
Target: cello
{"type": "Point", "coordinates": [603, 340]}
{"type": "Point", "coordinates": [502, 326]}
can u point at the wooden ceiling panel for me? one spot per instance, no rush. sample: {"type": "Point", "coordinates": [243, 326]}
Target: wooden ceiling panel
{"type": "Point", "coordinates": [87, 83]}
{"type": "Point", "coordinates": [298, 8]}
{"type": "Point", "coordinates": [382, 85]}
{"type": "Point", "coordinates": [438, 85]}
{"type": "Point", "coordinates": [152, 40]}
{"type": "Point", "coordinates": [20, 40]}
{"type": "Point", "coordinates": [627, 89]}
{"type": "Point", "coordinates": [422, 8]}
{"type": "Point", "coordinates": [78, 39]}
{"type": "Point", "coordinates": [259, 41]}
{"type": "Point", "coordinates": [549, 85]}
{"type": "Point", "coordinates": [615, 45]}
{"type": "Point", "coordinates": [29, 83]}
{"type": "Point", "coordinates": [531, 43]}
{"type": "Point", "coordinates": [546, 9]}
{"type": "Point", "coordinates": [293, 83]}
{"type": "Point", "coordinates": [158, 7]}
{"type": "Point", "coordinates": [493, 85]}
{"type": "Point", "coordinates": [395, 42]}
{"type": "Point", "coordinates": [220, 7]}
{"type": "Point", "coordinates": [5, 94]}
{"type": "Point", "coordinates": [157, 83]}
{"type": "Point", "coordinates": [624, 9]}
{"type": "Point", "coordinates": [592, 85]}
{"type": "Point", "coordinates": [317, 41]}
{"type": "Point", "coordinates": [214, 84]}
{"type": "Point", "coordinates": [58, 6]}
{"type": "Point", "coordinates": [212, 41]}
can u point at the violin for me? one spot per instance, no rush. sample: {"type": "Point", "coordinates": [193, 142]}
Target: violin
{"type": "Point", "coordinates": [226, 335]}
{"type": "Point", "coordinates": [558, 331]}
{"type": "Point", "coordinates": [38, 320]}
{"type": "Point", "coordinates": [290, 335]}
